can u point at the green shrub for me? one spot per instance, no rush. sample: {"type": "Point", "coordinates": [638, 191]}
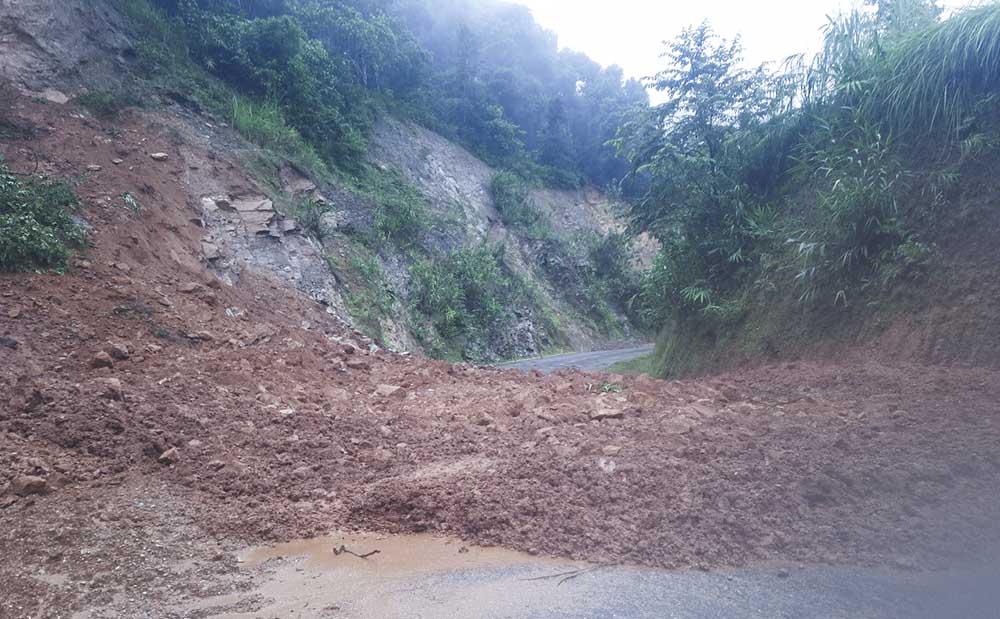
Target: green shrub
{"type": "Point", "coordinates": [400, 209]}
{"type": "Point", "coordinates": [512, 198]}
{"type": "Point", "coordinates": [309, 214]}
{"type": "Point", "coordinates": [264, 124]}
{"type": "Point", "coordinates": [856, 227]}
{"type": "Point", "coordinates": [36, 228]}
{"type": "Point", "coordinates": [464, 294]}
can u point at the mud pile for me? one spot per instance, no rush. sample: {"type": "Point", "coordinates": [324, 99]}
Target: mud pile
{"type": "Point", "coordinates": [150, 411]}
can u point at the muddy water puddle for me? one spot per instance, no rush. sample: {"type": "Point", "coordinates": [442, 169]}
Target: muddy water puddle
{"type": "Point", "coordinates": [409, 576]}
{"type": "Point", "coordinates": [395, 555]}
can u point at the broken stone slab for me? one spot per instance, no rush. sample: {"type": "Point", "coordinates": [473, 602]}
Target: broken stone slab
{"type": "Point", "coordinates": [54, 96]}
{"type": "Point", "coordinates": [257, 222]}
{"type": "Point", "coordinates": [296, 183]}
{"type": "Point", "coordinates": [210, 250]}
{"type": "Point", "coordinates": [386, 391]}
{"type": "Point", "coordinates": [249, 205]}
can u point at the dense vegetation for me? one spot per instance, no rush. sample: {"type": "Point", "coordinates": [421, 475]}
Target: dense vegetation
{"type": "Point", "coordinates": [304, 79]}
{"type": "Point", "coordinates": [465, 294]}
{"type": "Point", "coordinates": [764, 184]}
{"type": "Point", "coordinates": [483, 73]}
{"type": "Point", "coordinates": [37, 230]}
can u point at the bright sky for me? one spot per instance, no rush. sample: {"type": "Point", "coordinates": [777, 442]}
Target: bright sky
{"type": "Point", "coordinates": [630, 33]}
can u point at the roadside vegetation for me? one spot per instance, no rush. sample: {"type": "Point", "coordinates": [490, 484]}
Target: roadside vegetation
{"type": "Point", "coordinates": [37, 229]}
{"type": "Point", "coordinates": [465, 295]}
{"type": "Point", "coordinates": [304, 80]}
{"type": "Point", "coordinates": [811, 183]}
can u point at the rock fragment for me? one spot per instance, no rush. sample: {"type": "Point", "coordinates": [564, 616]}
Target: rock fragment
{"type": "Point", "coordinates": [170, 456]}
{"type": "Point", "coordinates": [117, 351]}
{"type": "Point", "coordinates": [606, 413]}
{"type": "Point", "coordinates": [111, 389]}
{"type": "Point", "coordinates": [387, 391]}
{"type": "Point", "coordinates": [358, 364]}
{"type": "Point", "coordinates": [26, 485]}
{"type": "Point", "coordinates": [102, 360]}
{"type": "Point", "coordinates": [159, 156]}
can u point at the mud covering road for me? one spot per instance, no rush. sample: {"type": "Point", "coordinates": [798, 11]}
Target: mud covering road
{"type": "Point", "coordinates": [595, 361]}
{"type": "Point", "coordinates": [424, 576]}
{"type": "Point", "coordinates": [155, 421]}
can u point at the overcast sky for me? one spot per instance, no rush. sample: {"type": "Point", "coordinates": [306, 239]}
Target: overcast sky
{"type": "Point", "coordinates": [630, 33]}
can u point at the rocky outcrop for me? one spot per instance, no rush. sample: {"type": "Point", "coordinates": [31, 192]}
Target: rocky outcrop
{"type": "Point", "coordinates": [47, 45]}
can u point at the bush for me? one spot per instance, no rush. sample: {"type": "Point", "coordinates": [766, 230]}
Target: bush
{"type": "Point", "coordinates": [512, 198]}
{"type": "Point", "coordinates": [400, 209]}
{"type": "Point", "coordinates": [36, 228]}
{"type": "Point", "coordinates": [264, 124]}
{"type": "Point", "coordinates": [857, 225]}
{"type": "Point", "coordinates": [464, 294]}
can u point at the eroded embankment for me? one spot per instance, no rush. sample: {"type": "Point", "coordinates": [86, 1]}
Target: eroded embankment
{"type": "Point", "coordinates": [225, 414]}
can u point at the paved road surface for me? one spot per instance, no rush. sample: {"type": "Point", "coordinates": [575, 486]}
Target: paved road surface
{"type": "Point", "coordinates": [587, 361]}
{"type": "Point", "coordinates": [422, 576]}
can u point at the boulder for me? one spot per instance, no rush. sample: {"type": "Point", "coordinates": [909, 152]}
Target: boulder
{"type": "Point", "coordinates": [111, 389]}
{"type": "Point", "coordinates": [170, 456]}
{"type": "Point", "coordinates": [355, 363]}
{"type": "Point", "coordinates": [211, 251]}
{"type": "Point", "coordinates": [102, 360]}
{"type": "Point", "coordinates": [26, 485]}
{"type": "Point", "coordinates": [159, 156]}
{"type": "Point", "coordinates": [117, 351]}
{"type": "Point", "coordinates": [386, 391]}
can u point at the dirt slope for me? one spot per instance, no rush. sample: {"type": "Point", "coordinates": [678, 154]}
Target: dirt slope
{"type": "Point", "coordinates": [236, 414]}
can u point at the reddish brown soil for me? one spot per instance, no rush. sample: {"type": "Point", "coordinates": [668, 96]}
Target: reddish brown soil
{"type": "Point", "coordinates": [281, 432]}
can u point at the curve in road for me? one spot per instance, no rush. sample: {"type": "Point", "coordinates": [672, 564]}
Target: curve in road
{"type": "Point", "coordinates": [595, 361]}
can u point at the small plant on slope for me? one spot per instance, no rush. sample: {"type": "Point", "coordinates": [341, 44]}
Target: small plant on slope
{"type": "Point", "coordinates": [36, 228]}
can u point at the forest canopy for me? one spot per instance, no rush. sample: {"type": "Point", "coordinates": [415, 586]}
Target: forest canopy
{"type": "Point", "coordinates": [481, 72]}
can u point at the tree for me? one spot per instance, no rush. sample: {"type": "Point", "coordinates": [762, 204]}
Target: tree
{"type": "Point", "coordinates": [691, 153]}
{"type": "Point", "coordinates": [896, 18]}
{"type": "Point", "coordinates": [689, 144]}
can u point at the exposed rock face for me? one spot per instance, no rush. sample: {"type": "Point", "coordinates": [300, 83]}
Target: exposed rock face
{"type": "Point", "coordinates": [57, 53]}
{"type": "Point", "coordinates": [256, 213]}
{"type": "Point", "coordinates": [71, 42]}
{"type": "Point", "coordinates": [457, 187]}
{"type": "Point", "coordinates": [450, 177]}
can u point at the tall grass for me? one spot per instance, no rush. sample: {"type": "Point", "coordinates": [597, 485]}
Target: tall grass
{"type": "Point", "coordinates": [940, 78]}
{"type": "Point", "coordinates": [264, 124]}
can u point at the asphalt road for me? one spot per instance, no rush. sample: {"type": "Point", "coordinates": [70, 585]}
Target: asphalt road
{"type": "Point", "coordinates": [586, 361]}
{"type": "Point", "coordinates": [424, 577]}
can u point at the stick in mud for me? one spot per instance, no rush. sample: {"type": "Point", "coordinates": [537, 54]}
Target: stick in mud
{"type": "Point", "coordinates": [566, 576]}
{"type": "Point", "coordinates": [343, 550]}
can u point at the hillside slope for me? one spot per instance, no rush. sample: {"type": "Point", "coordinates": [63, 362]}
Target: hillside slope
{"type": "Point", "coordinates": [191, 386]}
{"type": "Point", "coordinates": [352, 242]}
{"type": "Point", "coordinates": [943, 313]}
{"type": "Point", "coordinates": [148, 398]}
